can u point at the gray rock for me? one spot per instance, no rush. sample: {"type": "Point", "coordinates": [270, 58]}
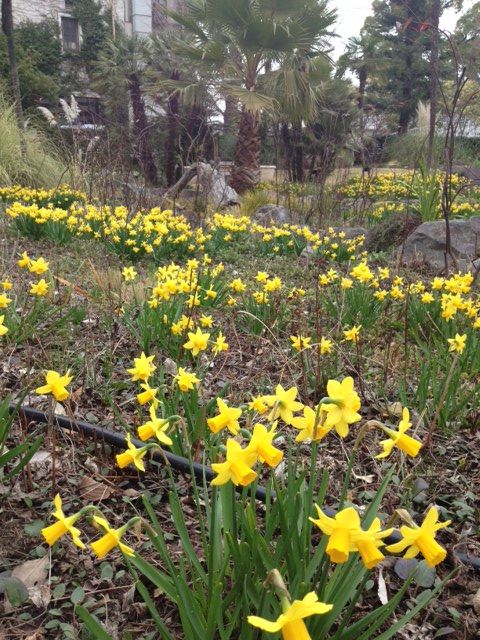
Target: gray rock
{"type": "Point", "coordinates": [272, 214]}
{"type": "Point", "coordinates": [215, 187]}
{"type": "Point", "coordinates": [426, 245]}
{"type": "Point", "coordinates": [350, 232]}
{"type": "Point", "coordinates": [391, 232]}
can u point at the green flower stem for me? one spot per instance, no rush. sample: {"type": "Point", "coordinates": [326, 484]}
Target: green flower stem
{"type": "Point", "coordinates": [211, 558]}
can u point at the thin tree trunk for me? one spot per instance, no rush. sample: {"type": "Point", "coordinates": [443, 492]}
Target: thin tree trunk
{"type": "Point", "coordinates": [7, 26]}
{"type": "Point", "coordinates": [362, 86]}
{"type": "Point", "coordinates": [434, 58]}
{"type": "Point", "coordinates": [172, 135]}
{"type": "Point", "coordinates": [405, 109]}
{"type": "Point", "coordinates": [246, 158]}
{"type": "Point", "coordinates": [288, 149]}
{"type": "Point", "coordinates": [145, 156]}
{"type": "Point", "coordinates": [298, 156]}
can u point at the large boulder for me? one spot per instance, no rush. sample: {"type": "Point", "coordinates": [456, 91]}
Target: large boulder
{"type": "Point", "coordinates": [215, 187]}
{"type": "Point", "coordinates": [391, 232]}
{"type": "Point", "coordinates": [272, 214]}
{"type": "Point", "coordinates": [426, 245]}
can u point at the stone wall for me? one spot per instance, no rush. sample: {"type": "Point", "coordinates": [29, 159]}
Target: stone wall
{"type": "Point", "coordinates": [36, 10]}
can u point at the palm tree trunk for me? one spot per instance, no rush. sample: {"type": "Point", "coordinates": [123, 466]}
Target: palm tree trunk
{"type": "Point", "coordinates": [230, 115]}
{"type": "Point", "coordinates": [7, 26]}
{"type": "Point", "coordinates": [298, 155]}
{"type": "Point", "coordinates": [434, 59]}
{"type": "Point", "coordinates": [288, 149]}
{"type": "Point", "coordinates": [246, 162]}
{"type": "Point", "coordinates": [145, 156]}
{"type": "Point", "coordinates": [362, 86]}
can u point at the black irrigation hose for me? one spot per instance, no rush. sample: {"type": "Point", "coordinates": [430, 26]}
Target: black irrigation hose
{"type": "Point", "coordinates": [117, 440]}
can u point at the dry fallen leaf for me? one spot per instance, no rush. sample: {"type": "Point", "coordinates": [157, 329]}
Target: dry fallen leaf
{"type": "Point", "coordinates": [368, 479]}
{"type": "Point", "coordinates": [382, 588]}
{"type": "Point", "coordinates": [33, 573]}
{"type": "Point", "coordinates": [40, 596]}
{"type": "Point", "coordinates": [93, 491]}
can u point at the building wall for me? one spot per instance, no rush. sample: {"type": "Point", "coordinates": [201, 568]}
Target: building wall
{"type": "Point", "coordinates": [141, 17]}
{"type": "Point", "coordinates": [36, 10]}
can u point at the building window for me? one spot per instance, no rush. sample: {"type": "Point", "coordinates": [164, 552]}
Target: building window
{"type": "Point", "coordinates": [90, 110]}
{"type": "Point", "coordinates": [70, 33]}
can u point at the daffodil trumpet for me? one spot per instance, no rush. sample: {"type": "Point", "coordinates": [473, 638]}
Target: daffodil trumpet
{"type": "Point", "coordinates": [112, 537]}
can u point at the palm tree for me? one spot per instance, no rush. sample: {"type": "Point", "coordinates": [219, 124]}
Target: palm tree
{"type": "Point", "coordinates": [119, 72]}
{"type": "Point", "coordinates": [236, 43]}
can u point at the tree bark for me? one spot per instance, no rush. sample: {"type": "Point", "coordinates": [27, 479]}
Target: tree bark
{"type": "Point", "coordinates": [362, 86]}
{"type": "Point", "coordinates": [298, 156]}
{"type": "Point", "coordinates": [230, 115]}
{"type": "Point", "coordinates": [434, 59]}
{"type": "Point", "coordinates": [288, 149]}
{"type": "Point", "coordinates": [172, 134]}
{"type": "Point", "coordinates": [145, 156]}
{"type": "Point", "coordinates": [246, 162]}
{"type": "Point", "coordinates": [7, 26]}
{"type": "Point", "coordinates": [405, 108]}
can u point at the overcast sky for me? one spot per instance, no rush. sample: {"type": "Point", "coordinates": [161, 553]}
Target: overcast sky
{"type": "Point", "coordinates": [352, 13]}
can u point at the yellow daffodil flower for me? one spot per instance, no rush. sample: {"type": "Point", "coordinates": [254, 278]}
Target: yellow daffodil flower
{"type": "Point", "coordinates": [457, 344]}
{"type": "Point", "coordinates": [400, 439]}
{"type": "Point", "coordinates": [38, 266]}
{"type": "Point", "coordinates": [237, 466]}
{"type": "Point", "coordinates": [290, 623]}
{"type": "Point", "coordinates": [143, 368]}
{"type": "Point", "coordinates": [110, 540]}
{"type": "Point", "coordinates": [63, 525]}
{"type": "Point", "coordinates": [299, 343]}
{"type": "Point", "coordinates": [129, 274]}
{"type": "Point", "coordinates": [40, 288]}
{"type": "Point", "coordinates": [325, 346]}
{"type": "Point", "coordinates": [343, 410]}
{"type": "Point", "coordinates": [227, 418]}
{"type": "Point", "coordinates": [155, 427]}
{"type": "Point", "coordinates": [206, 321]}
{"type": "Point", "coordinates": [197, 342]}
{"type": "Point", "coordinates": [3, 328]}
{"type": "Point", "coordinates": [24, 261]}
{"type": "Point", "coordinates": [427, 298]}
{"type": "Point", "coordinates": [283, 403]}
{"type": "Point", "coordinates": [133, 455]}
{"type": "Point", "coordinates": [353, 334]}
{"type": "Point", "coordinates": [258, 405]}
{"type": "Point", "coordinates": [147, 395]}
{"type": "Point", "coordinates": [4, 301]}
{"type": "Point", "coordinates": [220, 344]}
{"type": "Point", "coordinates": [56, 385]}
{"type": "Point", "coordinates": [6, 285]}
{"type": "Point", "coordinates": [186, 380]}
{"type": "Point", "coordinates": [422, 540]}
{"type": "Point", "coordinates": [261, 444]}
{"type": "Point", "coordinates": [310, 425]}
{"type": "Point", "coordinates": [346, 536]}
